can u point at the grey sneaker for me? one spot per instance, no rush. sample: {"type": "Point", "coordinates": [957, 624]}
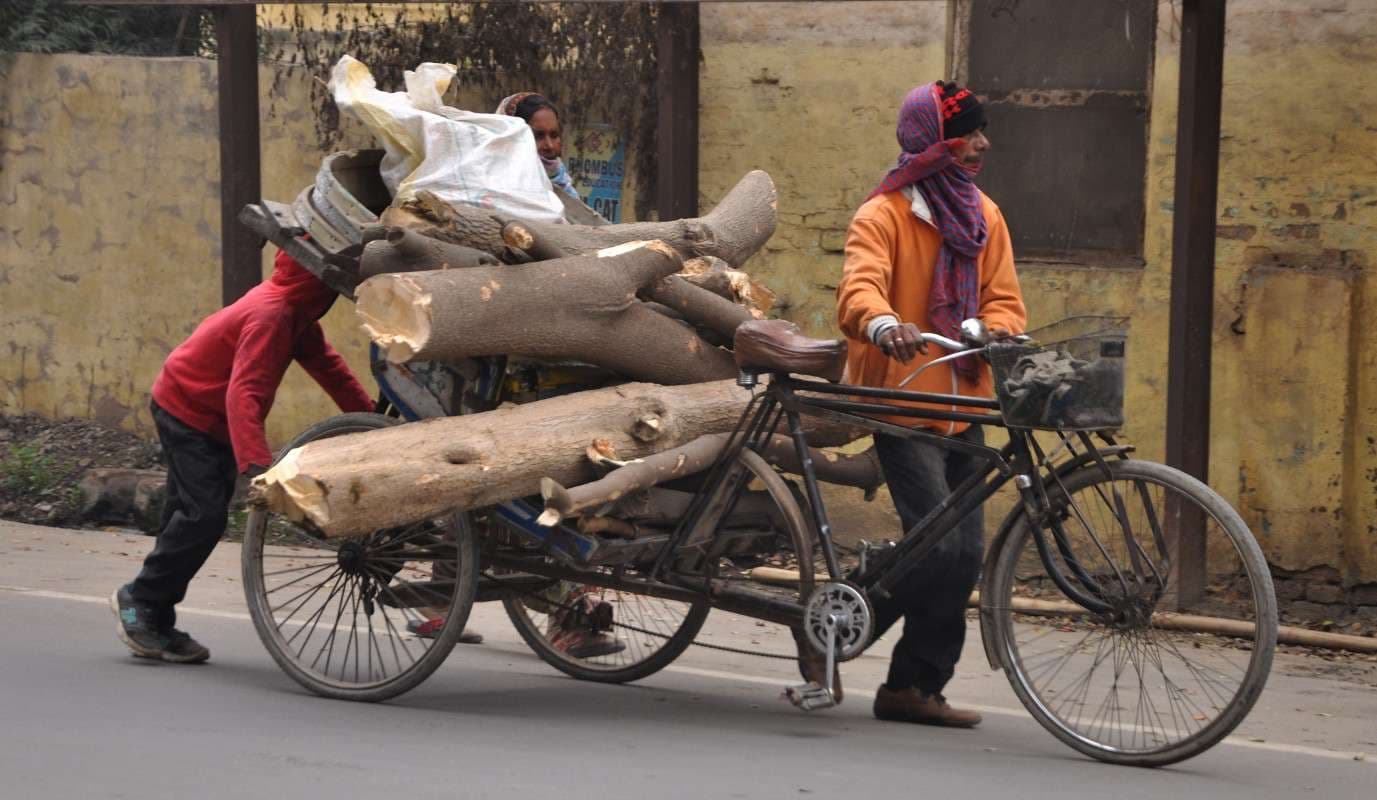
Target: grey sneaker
{"type": "Point", "coordinates": [138, 629]}
{"type": "Point", "coordinates": [180, 648]}
{"type": "Point", "coordinates": [137, 624]}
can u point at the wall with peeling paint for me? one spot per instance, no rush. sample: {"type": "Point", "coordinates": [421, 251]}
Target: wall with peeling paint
{"type": "Point", "coordinates": [1294, 409]}
{"type": "Point", "coordinates": [809, 92]}
{"type": "Point", "coordinates": [109, 232]}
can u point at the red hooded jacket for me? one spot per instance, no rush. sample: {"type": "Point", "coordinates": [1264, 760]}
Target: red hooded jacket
{"type": "Point", "coordinates": [222, 380]}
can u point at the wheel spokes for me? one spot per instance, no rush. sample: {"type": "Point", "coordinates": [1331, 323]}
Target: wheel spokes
{"type": "Point", "coordinates": [335, 602]}
{"type": "Point", "coordinates": [1123, 679]}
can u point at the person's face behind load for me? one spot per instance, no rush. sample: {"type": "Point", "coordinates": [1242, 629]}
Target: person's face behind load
{"type": "Point", "coordinates": [545, 126]}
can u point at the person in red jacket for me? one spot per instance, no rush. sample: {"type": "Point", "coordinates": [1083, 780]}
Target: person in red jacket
{"type": "Point", "coordinates": [209, 405]}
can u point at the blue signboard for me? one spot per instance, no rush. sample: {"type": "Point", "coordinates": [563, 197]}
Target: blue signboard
{"type": "Point", "coordinates": [596, 160]}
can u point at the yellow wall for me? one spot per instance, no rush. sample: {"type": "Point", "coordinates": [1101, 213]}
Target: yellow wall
{"type": "Point", "coordinates": [1299, 197]}
{"type": "Point", "coordinates": [109, 231]}
{"type": "Point", "coordinates": [809, 93]}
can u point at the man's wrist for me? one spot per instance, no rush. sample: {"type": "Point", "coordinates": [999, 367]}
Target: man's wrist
{"type": "Point", "coordinates": [879, 326]}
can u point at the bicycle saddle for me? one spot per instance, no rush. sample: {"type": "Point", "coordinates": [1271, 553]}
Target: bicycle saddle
{"type": "Point", "coordinates": [776, 345]}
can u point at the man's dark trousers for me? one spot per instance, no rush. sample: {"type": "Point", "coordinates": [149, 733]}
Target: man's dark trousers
{"type": "Point", "coordinates": [932, 596]}
{"type": "Point", "coordinates": [201, 473]}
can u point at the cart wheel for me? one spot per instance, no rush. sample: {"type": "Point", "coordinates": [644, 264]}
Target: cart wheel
{"type": "Point", "coordinates": [652, 630]}
{"type": "Point", "coordinates": [334, 613]}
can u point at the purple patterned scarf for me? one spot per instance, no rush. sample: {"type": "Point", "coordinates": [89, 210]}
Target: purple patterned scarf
{"type": "Point", "coordinates": [949, 188]}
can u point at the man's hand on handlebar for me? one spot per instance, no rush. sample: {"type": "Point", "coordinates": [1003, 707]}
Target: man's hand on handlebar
{"type": "Point", "coordinates": [904, 342]}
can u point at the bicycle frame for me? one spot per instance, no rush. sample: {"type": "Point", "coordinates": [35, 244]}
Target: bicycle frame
{"type": "Point", "coordinates": [788, 399]}
{"type": "Point", "coordinates": [785, 402]}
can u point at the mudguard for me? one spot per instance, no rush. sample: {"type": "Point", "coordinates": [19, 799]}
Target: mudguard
{"type": "Point", "coordinates": [989, 635]}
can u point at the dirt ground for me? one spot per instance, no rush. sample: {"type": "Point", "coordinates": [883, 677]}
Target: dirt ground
{"type": "Point", "coordinates": [42, 461]}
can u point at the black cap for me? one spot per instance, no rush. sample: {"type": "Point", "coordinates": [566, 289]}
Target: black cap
{"type": "Point", "coordinates": [962, 111]}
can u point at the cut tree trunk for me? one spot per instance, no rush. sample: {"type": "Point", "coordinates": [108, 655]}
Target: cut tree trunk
{"type": "Point", "coordinates": [734, 230]}
{"type": "Point", "coordinates": [113, 494]}
{"type": "Point", "coordinates": [584, 308]}
{"type": "Point", "coordinates": [862, 470]}
{"type": "Point", "coordinates": [356, 484]}
{"type": "Point", "coordinates": [405, 250]}
{"type": "Point", "coordinates": [698, 305]}
{"type": "Point", "coordinates": [735, 285]}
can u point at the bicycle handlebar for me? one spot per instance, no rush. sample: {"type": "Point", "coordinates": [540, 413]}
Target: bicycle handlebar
{"type": "Point", "coordinates": [957, 350]}
{"type": "Point", "coordinates": [950, 344]}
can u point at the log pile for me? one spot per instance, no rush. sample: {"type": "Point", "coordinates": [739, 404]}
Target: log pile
{"type": "Point", "coordinates": [733, 231]}
{"type": "Point", "coordinates": [582, 307]}
{"type": "Point", "coordinates": [655, 302]}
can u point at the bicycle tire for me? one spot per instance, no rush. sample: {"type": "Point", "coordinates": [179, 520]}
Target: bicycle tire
{"type": "Point", "coordinates": [603, 669]}
{"type": "Point", "coordinates": [1053, 712]}
{"type": "Point", "coordinates": [380, 685]}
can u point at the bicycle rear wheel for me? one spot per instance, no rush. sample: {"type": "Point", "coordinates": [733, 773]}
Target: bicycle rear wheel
{"type": "Point", "coordinates": [334, 613]}
{"type": "Point", "coordinates": [655, 631]}
{"type": "Point", "coordinates": [1125, 683]}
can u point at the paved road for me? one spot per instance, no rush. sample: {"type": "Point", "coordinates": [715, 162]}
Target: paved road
{"type": "Point", "coordinates": [80, 718]}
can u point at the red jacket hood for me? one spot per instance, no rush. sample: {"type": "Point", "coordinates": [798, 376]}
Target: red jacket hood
{"type": "Point", "coordinates": [303, 292]}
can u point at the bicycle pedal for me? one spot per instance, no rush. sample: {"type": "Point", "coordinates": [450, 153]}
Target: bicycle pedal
{"type": "Point", "coordinates": [810, 696]}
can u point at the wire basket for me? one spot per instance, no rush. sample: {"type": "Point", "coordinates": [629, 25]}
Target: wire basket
{"type": "Point", "coordinates": [1068, 377]}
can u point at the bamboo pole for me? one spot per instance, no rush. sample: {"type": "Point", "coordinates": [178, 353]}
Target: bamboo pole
{"type": "Point", "coordinates": [1167, 620]}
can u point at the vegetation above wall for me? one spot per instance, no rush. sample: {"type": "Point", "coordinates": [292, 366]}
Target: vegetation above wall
{"type": "Point", "coordinates": [55, 26]}
{"type": "Point", "coordinates": [595, 62]}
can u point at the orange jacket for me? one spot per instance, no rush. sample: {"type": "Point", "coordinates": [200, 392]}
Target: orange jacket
{"type": "Point", "coordinates": [890, 257]}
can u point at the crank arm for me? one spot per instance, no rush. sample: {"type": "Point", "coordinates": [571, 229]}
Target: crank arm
{"type": "Point", "coordinates": [810, 696]}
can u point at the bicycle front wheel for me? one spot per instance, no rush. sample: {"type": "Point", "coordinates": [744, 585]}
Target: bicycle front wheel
{"type": "Point", "coordinates": [337, 615]}
{"type": "Point", "coordinates": [1127, 672]}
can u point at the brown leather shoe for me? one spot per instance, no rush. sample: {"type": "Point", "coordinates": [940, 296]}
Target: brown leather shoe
{"type": "Point", "coordinates": [812, 665]}
{"type": "Point", "coordinates": [911, 705]}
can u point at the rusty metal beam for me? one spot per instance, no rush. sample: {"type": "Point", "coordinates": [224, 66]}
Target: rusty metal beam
{"type": "Point", "coordinates": [676, 128]}
{"type": "Point", "coordinates": [1192, 277]}
{"type": "Point", "coordinates": [236, 36]}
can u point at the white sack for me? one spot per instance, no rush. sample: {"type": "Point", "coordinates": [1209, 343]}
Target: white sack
{"type": "Point", "coordinates": [487, 160]}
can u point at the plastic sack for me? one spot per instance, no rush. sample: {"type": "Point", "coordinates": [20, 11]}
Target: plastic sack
{"type": "Point", "coordinates": [487, 160]}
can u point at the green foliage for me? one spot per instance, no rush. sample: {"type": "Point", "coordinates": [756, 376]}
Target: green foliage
{"type": "Point", "coordinates": [594, 61]}
{"type": "Point", "coordinates": [54, 26]}
{"type": "Point", "coordinates": [27, 471]}
{"type": "Point", "coordinates": [68, 504]}
{"type": "Point", "coordinates": [236, 523]}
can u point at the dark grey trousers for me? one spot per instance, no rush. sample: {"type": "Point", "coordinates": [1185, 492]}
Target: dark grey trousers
{"type": "Point", "coordinates": [201, 472]}
{"type": "Point", "coordinates": [932, 596]}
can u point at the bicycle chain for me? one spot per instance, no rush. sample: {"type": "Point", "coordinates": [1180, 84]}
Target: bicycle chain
{"type": "Point", "coordinates": [656, 634]}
